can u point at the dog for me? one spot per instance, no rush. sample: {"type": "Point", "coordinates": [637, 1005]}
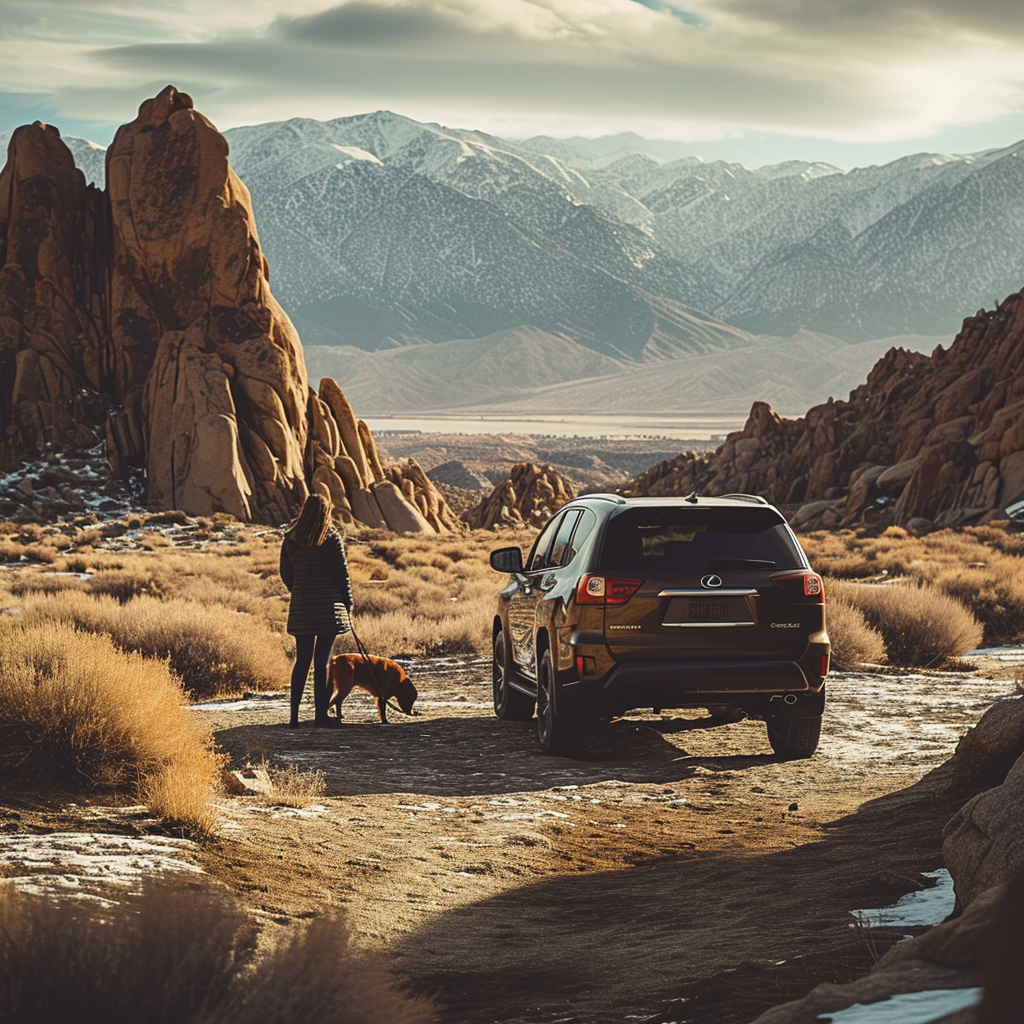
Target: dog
{"type": "Point", "coordinates": [348, 671]}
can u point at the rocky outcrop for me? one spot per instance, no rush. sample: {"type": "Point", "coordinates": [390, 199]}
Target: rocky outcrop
{"type": "Point", "coordinates": [984, 852]}
{"type": "Point", "coordinates": [142, 317]}
{"type": "Point", "coordinates": [528, 497]}
{"type": "Point", "coordinates": [54, 244]}
{"type": "Point", "coordinates": [343, 464]}
{"type": "Point", "coordinates": [926, 440]}
{"type": "Point", "coordinates": [983, 844]}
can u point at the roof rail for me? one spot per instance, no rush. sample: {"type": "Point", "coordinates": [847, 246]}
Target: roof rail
{"type": "Point", "coordinates": [618, 499]}
{"type": "Point", "coordinates": [754, 498]}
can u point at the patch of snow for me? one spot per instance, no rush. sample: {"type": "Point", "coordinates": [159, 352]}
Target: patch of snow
{"type": "Point", "coordinates": [355, 153]}
{"type": "Point", "coordinates": [923, 908]}
{"type": "Point", "coordinates": [907, 1008]}
{"type": "Point", "coordinates": [1012, 653]}
{"type": "Point", "coordinates": [87, 864]}
{"type": "Point", "coordinates": [279, 811]}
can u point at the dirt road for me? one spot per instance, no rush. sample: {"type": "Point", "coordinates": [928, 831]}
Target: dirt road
{"type": "Point", "coordinates": [679, 872]}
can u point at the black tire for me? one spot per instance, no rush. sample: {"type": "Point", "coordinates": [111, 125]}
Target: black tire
{"type": "Point", "coordinates": [794, 738]}
{"type": "Point", "coordinates": [555, 734]}
{"type": "Point", "coordinates": [509, 705]}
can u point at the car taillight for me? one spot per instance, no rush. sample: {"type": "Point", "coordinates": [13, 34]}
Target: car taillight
{"type": "Point", "coordinates": [806, 586]}
{"type": "Point", "coordinates": [606, 589]}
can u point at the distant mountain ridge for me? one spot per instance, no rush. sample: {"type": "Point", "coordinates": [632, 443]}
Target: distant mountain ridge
{"type": "Point", "coordinates": [382, 232]}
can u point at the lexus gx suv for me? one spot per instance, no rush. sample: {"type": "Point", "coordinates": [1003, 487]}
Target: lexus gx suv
{"type": "Point", "coordinates": [662, 603]}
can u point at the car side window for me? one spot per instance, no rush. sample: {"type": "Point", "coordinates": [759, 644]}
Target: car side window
{"type": "Point", "coordinates": [561, 544]}
{"type": "Point", "coordinates": [539, 554]}
{"type": "Point", "coordinates": [584, 528]}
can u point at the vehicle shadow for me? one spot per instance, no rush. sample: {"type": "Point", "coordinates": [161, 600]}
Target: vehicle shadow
{"type": "Point", "coordinates": [727, 934]}
{"type": "Point", "coordinates": [470, 756]}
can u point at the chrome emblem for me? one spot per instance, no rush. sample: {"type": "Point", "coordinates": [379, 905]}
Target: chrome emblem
{"type": "Point", "coordinates": [711, 581]}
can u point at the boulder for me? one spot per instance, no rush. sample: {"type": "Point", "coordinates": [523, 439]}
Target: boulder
{"type": "Point", "coordinates": [400, 515]}
{"type": "Point", "coordinates": [892, 480]}
{"type": "Point", "coordinates": [248, 781]}
{"type": "Point", "coordinates": [983, 844]}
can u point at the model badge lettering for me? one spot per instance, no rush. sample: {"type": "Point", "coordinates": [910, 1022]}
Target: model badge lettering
{"type": "Point", "coordinates": [785, 625]}
{"type": "Point", "coordinates": [624, 627]}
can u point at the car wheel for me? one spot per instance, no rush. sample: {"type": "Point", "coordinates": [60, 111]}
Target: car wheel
{"type": "Point", "coordinates": [509, 705]}
{"type": "Point", "coordinates": [793, 738]}
{"type": "Point", "coordinates": [555, 733]}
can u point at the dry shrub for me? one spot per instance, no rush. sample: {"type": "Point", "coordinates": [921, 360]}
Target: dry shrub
{"type": "Point", "coordinates": [921, 626]}
{"type": "Point", "coordinates": [422, 595]}
{"type": "Point", "coordinates": [75, 709]}
{"type": "Point", "coordinates": [979, 566]}
{"type": "Point", "coordinates": [180, 954]}
{"type": "Point", "coordinates": [293, 786]}
{"type": "Point", "coordinates": [214, 650]}
{"type": "Point", "coordinates": [995, 594]}
{"type": "Point", "coordinates": [316, 976]}
{"type": "Point", "coordinates": [854, 642]}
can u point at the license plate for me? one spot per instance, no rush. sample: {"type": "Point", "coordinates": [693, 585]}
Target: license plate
{"type": "Point", "coordinates": [707, 611]}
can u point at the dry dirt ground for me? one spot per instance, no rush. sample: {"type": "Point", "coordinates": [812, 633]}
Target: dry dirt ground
{"type": "Point", "coordinates": [678, 872]}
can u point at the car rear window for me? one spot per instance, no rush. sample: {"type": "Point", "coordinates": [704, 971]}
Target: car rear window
{"type": "Point", "coordinates": [647, 541]}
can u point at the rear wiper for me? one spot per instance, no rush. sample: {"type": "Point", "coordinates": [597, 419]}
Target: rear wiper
{"type": "Point", "coordinates": [740, 563]}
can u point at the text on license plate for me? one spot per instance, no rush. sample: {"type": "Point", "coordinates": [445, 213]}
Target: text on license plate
{"type": "Point", "coordinates": [708, 611]}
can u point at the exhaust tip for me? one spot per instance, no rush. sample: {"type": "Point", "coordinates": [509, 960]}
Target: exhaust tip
{"type": "Point", "coordinates": [790, 698]}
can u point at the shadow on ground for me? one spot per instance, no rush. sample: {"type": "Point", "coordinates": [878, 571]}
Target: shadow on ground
{"type": "Point", "coordinates": [472, 756]}
{"type": "Point", "coordinates": [725, 935]}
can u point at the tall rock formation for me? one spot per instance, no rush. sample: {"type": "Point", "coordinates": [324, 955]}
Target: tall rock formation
{"type": "Point", "coordinates": [934, 439]}
{"type": "Point", "coordinates": [529, 497]}
{"type": "Point", "coordinates": [142, 317]}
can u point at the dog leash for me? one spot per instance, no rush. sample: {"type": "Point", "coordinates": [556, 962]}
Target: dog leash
{"type": "Point", "coordinates": [370, 665]}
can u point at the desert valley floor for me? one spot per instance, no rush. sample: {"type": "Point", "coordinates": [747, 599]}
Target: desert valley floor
{"type": "Point", "coordinates": [678, 872]}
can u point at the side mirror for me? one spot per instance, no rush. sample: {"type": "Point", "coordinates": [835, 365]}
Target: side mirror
{"type": "Point", "coordinates": [508, 560]}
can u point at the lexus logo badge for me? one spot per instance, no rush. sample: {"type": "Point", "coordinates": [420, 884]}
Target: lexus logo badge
{"type": "Point", "coordinates": [711, 581]}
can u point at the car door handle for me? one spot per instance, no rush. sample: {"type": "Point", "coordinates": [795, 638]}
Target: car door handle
{"type": "Point", "coordinates": [547, 583]}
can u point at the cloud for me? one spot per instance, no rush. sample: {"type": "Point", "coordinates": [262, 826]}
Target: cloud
{"type": "Point", "coordinates": [836, 69]}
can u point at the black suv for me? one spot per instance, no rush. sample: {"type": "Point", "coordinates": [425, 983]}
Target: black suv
{"type": "Point", "coordinates": [662, 603]}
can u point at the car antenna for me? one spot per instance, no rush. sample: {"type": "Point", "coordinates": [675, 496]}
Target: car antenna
{"type": "Point", "coordinates": [691, 498]}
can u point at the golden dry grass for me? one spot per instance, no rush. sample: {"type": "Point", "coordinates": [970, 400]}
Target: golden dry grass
{"type": "Point", "coordinates": [854, 642]}
{"type": "Point", "coordinates": [920, 624]}
{"type": "Point", "coordinates": [425, 596]}
{"type": "Point", "coordinates": [213, 649]}
{"type": "Point", "coordinates": [180, 954]}
{"type": "Point", "coordinates": [76, 710]}
{"type": "Point", "coordinates": [293, 786]}
{"type": "Point", "coordinates": [981, 567]}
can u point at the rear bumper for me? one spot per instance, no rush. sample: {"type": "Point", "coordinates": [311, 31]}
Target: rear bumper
{"type": "Point", "coordinates": [793, 688]}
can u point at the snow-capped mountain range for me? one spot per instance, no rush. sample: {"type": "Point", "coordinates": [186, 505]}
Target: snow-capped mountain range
{"type": "Point", "coordinates": [382, 232]}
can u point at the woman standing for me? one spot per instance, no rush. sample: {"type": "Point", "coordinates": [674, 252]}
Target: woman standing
{"type": "Point", "coordinates": [315, 571]}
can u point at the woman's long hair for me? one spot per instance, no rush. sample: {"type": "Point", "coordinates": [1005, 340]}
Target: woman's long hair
{"type": "Point", "coordinates": [314, 522]}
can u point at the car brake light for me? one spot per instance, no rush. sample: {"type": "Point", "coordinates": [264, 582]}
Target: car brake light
{"type": "Point", "coordinates": [806, 585]}
{"type": "Point", "coordinates": [606, 589]}
{"type": "Point", "coordinates": [824, 665]}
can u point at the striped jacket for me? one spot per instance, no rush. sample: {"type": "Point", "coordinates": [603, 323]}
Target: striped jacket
{"type": "Point", "coordinates": [318, 580]}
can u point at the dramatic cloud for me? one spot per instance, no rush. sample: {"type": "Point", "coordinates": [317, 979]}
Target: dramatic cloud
{"type": "Point", "coordinates": [855, 70]}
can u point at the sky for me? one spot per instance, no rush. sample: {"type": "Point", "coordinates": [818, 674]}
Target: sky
{"type": "Point", "coordinates": [850, 82]}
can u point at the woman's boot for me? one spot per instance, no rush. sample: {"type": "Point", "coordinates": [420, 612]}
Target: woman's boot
{"type": "Point", "coordinates": [296, 701]}
{"type": "Point", "coordinates": [320, 698]}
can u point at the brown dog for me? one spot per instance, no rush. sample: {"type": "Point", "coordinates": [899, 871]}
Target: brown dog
{"type": "Point", "coordinates": [347, 671]}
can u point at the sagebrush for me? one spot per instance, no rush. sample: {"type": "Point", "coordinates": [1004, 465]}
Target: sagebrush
{"type": "Point", "coordinates": [180, 954]}
{"type": "Point", "coordinates": [77, 711]}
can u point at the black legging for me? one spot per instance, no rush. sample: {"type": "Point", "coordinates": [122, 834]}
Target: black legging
{"type": "Point", "coordinates": [315, 649]}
